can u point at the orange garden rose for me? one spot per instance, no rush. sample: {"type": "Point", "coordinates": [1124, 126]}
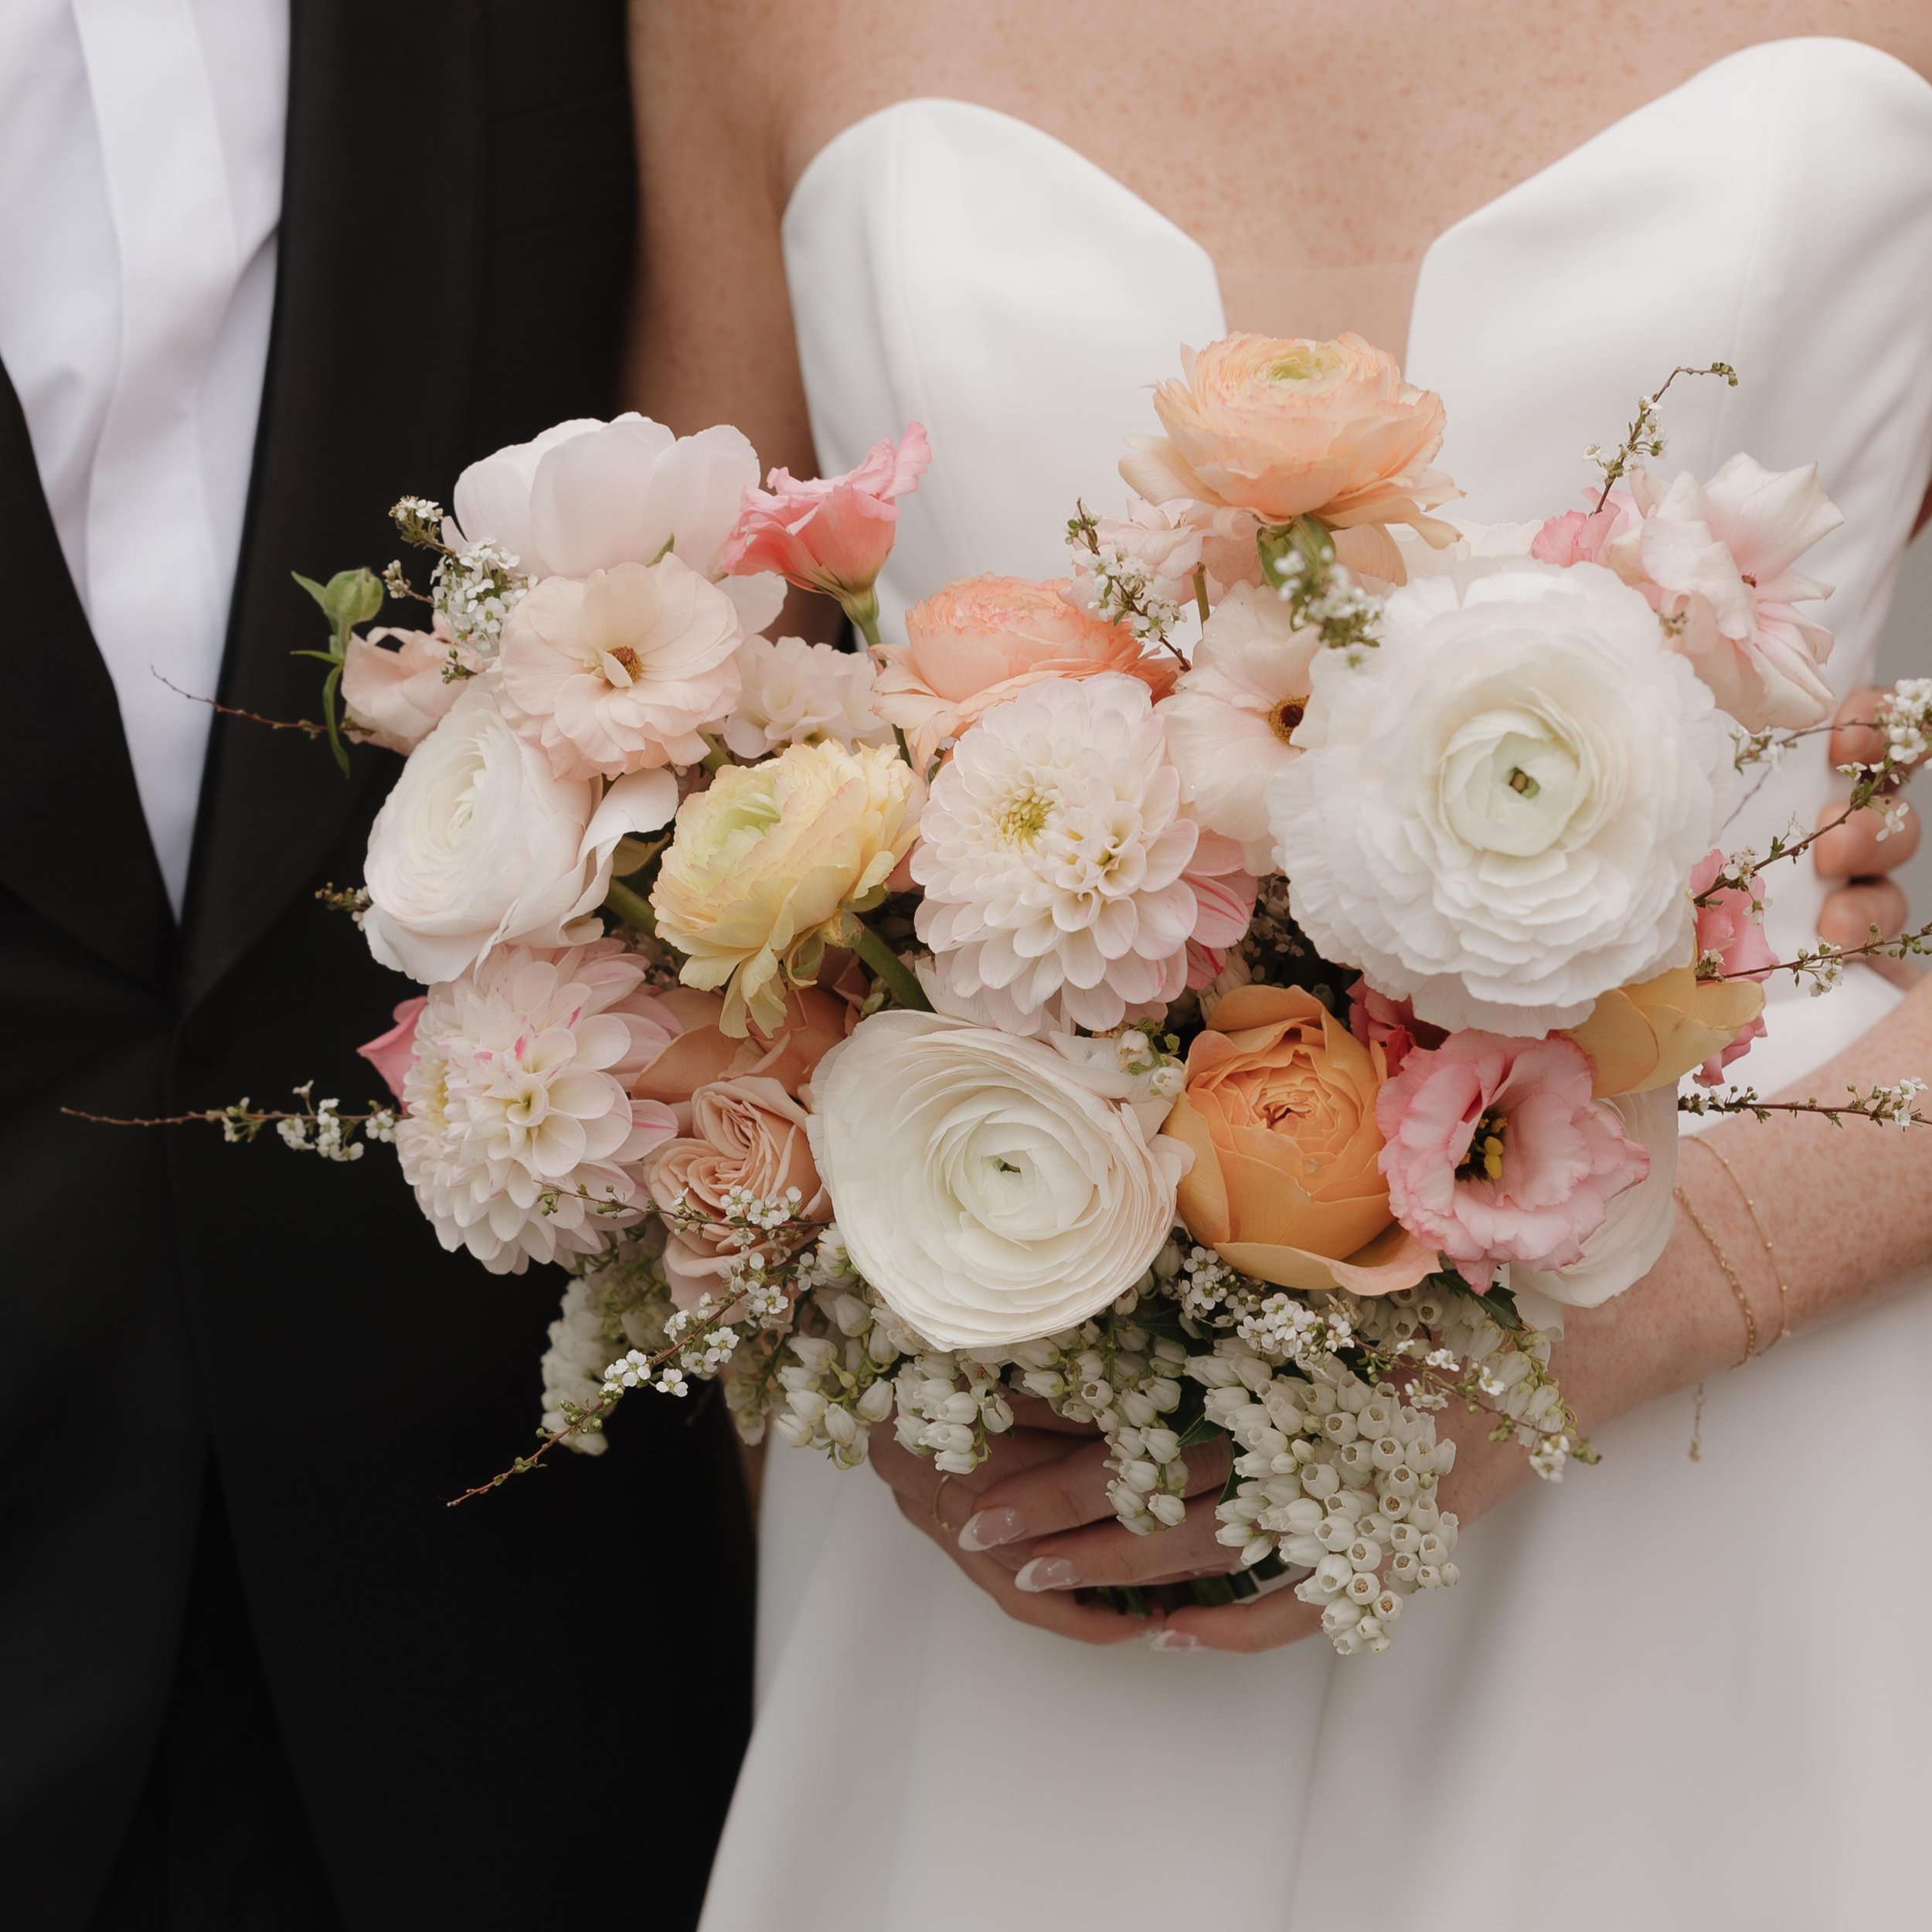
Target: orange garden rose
{"type": "Point", "coordinates": [1280, 1112]}
{"type": "Point", "coordinates": [1285, 428]}
{"type": "Point", "coordinates": [984, 639]}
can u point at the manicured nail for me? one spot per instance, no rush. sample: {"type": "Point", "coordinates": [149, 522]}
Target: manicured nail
{"type": "Point", "coordinates": [1182, 1640]}
{"type": "Point", "coordinates": [1047, 1573]}
{"type": "Point", "coordinates": [991, 1528]}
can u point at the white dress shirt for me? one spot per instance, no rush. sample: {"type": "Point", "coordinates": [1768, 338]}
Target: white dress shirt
{"type": "Point", "coordinates": [141, 182]}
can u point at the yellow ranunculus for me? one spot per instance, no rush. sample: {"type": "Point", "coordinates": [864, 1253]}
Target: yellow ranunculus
{"type": "Point", "coordinates": [769, 858]}
{"type": "Point", "coordinates": [1641, 1037]}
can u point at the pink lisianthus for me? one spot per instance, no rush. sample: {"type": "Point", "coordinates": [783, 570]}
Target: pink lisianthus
{"type": "Point", "coordinates": [1376, 1020]}
{"type": "Point", "coordinates": [1730, 928]}
{"type": "Point", "coordinates": [1494, 1151]}
{"type": "Point", "coordinates": [830, 534]}
{"type": "Point", "coordinates": [1224, 892]}
{"type": "Point", "coordinates": [392, 1054]}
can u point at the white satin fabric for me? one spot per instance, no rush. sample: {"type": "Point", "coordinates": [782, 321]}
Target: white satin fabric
{"type": "Point", "coordinates": [1667, 1694]}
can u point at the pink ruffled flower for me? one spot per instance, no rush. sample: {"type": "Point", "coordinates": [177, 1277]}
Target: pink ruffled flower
{"type": "Point", "coordinates": [622, 671]}
{"type": "Point", "coordinates": [1224, 892]}
{"type": "Point", "coordinates": [1731, 929]}
{"type": "Point", "coordinates": [393, 1053]}
{"type": "Point", "coordinates": [1376, 1020]}
{"type": "Point", "coordinates": [1494, 1151]}
{"type": "Point", "coordinates": [1715, 559]}
{"type": "Point", "coordinates": [832, 534]}
{"type": "Point", "coordinates": [1582, 537]}
{"type": "Point", "coordinates": [395, 698]}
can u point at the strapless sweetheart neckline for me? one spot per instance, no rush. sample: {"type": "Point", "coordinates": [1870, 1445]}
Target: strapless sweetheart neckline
{"type": "Point", "coordinates": [824, 157]}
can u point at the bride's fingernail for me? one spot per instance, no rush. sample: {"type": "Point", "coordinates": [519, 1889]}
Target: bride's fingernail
{"type": "Point", "coordinates": [1047, 1573]}
{"type": "Point", "coordinates": [991, 1528]}
{"type": "Point", "coordinates": [1180, 1639]}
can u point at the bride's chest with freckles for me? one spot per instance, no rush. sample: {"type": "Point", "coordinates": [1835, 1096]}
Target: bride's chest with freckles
{"type": "Point", "coordinates": [1313, 155]}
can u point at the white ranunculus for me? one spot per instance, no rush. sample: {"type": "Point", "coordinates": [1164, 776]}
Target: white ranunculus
{"type": "Point", "coordinates": [991, 1188]}
{"type": "Point", "coordinates": [1637, 1223]}
{"type": "Point", "coordinates": [479, 844]}
{"type": "Point", "coordinates": [1496, 812]}
{"type": "Point", "coordinates": [588, 495]}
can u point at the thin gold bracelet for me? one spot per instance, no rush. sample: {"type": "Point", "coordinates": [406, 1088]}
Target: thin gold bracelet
{"type": "Point", "coordinates": [1764, 1234]}
{"type": "Point", "coordinates": [1730, 1275]}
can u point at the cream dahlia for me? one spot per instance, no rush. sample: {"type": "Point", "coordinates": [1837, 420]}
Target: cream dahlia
{"type": "Point", "coordinates": [618, 673]}
{"type": "Point", "coordinates": [517, 1133]}
{"type": "Point", "coordinates": [1054, 854]}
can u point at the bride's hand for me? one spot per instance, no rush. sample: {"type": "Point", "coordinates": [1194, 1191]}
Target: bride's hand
{"type": "Point", "coordinates": [1854, 853]}
{"type": "Point", "coordinates": [1032, 1525]}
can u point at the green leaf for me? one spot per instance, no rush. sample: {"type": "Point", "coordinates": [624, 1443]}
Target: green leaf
{"type": "Point", "coordinates": [1502, 1306]}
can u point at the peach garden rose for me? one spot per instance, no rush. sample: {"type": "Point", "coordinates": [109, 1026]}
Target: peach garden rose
{"type": "Point", "coordinates": [1279, 1112]}
{"type": "Point", "coordinates": [984, 639]}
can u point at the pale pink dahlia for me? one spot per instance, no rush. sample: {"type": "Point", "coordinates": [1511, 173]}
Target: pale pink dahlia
{"type": "Point", "coordinates": [519, 1133]}
{"type": "Point", "coordinates": [1054, 855]}
{"type": "Point", "coordinates": [1494, 1150]}
{"type": "Point", "coordinates": [619, 672]}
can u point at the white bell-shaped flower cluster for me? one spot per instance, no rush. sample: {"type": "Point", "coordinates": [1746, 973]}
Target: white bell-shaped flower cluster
{"type": "Point", "coordinates": [1341, 1478]}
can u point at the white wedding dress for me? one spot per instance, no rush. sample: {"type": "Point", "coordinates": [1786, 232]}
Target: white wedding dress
{"type": "Point", "coordinates": [1667, 1694]}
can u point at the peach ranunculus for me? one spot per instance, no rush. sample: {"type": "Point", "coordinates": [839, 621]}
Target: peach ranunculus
{"type": "Point", "coordinates": [746, 1132]}
{"type": "Point", "coordinates": [699, 1051]}
{"type": "Point", "coordinates": [983, 640]}
{"type": "Point", "coordinates": [619, 672]}
{"type": "Point", "coordinates": [1280, 1112]}
{"type": "Point", "coordinates": [395, 698]}
{"type": "Point", "coordinates": [768, 861]}
{"type": "Point", "coordinates": [1285, 428]}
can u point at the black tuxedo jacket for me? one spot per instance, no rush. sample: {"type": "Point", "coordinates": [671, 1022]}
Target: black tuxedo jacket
{"type": "Point", "coordinates": [454, 257]}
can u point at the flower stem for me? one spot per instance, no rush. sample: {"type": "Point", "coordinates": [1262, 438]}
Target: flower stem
{"type": "Point", "coordinates": [863, 611]}
{"type": "Point", "coordinates": [632, 907]}
{"type": "Point", "coordinates": [715, 756]}
{"type": "Point", "coordinates": [1200, 590]}
{"type": "Point", "coordinates": [886, 965]}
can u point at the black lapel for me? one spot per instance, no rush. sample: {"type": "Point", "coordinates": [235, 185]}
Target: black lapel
{"type": "Point", "coordinates": [369, 368]}
{"type": "Point", "coordinates": [73, 843]}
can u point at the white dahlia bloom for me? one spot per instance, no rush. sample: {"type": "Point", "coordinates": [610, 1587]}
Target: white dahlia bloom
{"type": "Point", "coordinates": [991, 1188]}
{"type": "Point", "coordinates": [1053, 854]}
{"type": "Point", "coordinates": [1496, 813]}
{"type": "Point", "coordinates": [518, 1133]}
{"type": "Point", "coordinates": [1231, 722]}
{"type": "Point", "coordinates": [796, 693]}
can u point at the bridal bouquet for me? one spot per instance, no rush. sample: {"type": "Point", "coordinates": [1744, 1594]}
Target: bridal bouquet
{"type": "Point", "coordinates": [1241, 988]}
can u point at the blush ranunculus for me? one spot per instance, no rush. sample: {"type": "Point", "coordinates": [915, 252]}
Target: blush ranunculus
{"type": "Point", "coordinates": [392, 1054]}
{"type": "Point", "coordinates": [395, 698]}
{"type": "Point", "coordinates": [984, 639]}
{"type": "Point", "coordinates": [829, 534]}
{"type": "Point", "coordinates": [479, 843]}
{"type": "Point", "coordinates": [620, 671]}
{"type": "Point", "coordinates": [746, 1132]}
{"type": "Point", "coordinates": [1279, 1111]}
{"type": "Point", "coordinates": [1497, 1151]}
{"type": "Point", "coordinates": [1286, 428]}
